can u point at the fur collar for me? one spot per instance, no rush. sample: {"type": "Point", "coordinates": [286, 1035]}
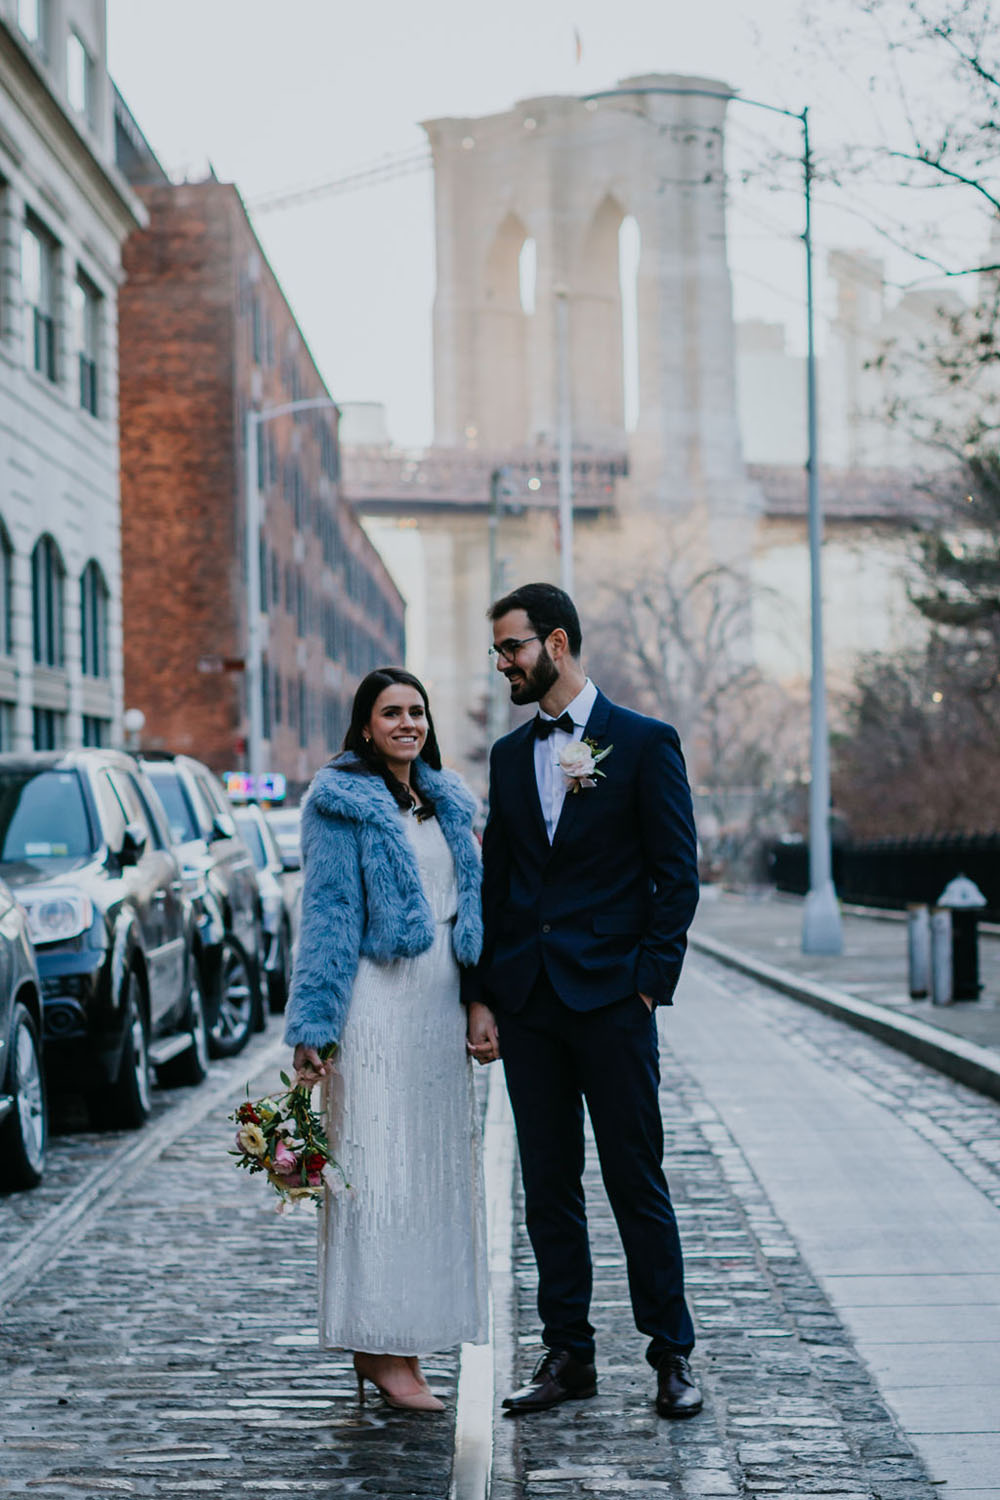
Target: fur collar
{"type": "Point", "coordinates": [361, 797]}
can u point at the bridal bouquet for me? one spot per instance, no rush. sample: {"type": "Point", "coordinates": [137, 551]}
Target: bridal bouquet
{"type": "Point", "coordinates": [283, 1136]}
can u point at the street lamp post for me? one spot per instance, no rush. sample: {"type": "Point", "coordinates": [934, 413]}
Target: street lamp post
{"type": "Point", "coordinates": [821, 925]}
{"type": "Point", "coordinates": [496, 708]}
{"type": "Point", "coordinates": [251, 517]}
{"type": "Point", "coordinates": [565, 419]}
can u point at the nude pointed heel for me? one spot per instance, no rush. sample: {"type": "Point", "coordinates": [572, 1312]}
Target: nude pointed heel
{"type": "Point", "coordinates": [418, 1401]}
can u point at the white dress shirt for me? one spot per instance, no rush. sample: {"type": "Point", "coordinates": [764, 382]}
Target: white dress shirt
{"type": "Point", "coordinates": [552, 784]}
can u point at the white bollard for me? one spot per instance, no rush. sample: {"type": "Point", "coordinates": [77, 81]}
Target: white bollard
{"type": "Point", "coordinates": [941, 957]}
{"type": "Point", "coordinates": [919, 945]}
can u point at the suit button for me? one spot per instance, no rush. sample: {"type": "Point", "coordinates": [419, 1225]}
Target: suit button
{"type": "Point", "coordinates": [546, 927]}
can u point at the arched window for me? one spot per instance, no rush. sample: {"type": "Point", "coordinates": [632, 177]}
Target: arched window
{"type": "Point", "coordinates": [47, 578]}
{"type": "Point", "coordinates": [6, 576]}
{"type": "Point", "coordinates": [94, 621]}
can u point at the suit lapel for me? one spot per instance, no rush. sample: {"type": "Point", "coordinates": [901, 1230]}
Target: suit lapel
{"type": "Point", "coordinates": [571, 808]}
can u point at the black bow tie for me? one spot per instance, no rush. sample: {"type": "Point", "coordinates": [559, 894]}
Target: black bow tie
{"type": "Point", "coordinates": [544, 727]}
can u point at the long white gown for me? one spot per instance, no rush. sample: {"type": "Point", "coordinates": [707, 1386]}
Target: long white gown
{"type": "Point", "coordinates": [402, 1258]}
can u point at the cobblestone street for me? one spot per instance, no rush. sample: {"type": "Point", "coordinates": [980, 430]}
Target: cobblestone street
{"type": "Point", "coordinates": [159, 1325]}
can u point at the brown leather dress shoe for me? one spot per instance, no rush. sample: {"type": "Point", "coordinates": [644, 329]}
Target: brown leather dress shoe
{"type": "Point", "coordinates": [677, 1391]}
{"type": "Point", "coordinates": [558, 1377]}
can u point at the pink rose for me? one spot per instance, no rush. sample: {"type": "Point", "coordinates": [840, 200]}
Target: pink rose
{"type": "Point", "coordinates": [285, 1161]}
{"type": "Point", "coordinates": [315, 1179]}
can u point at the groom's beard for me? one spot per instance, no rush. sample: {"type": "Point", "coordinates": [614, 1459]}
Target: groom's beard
{"type": "Point", "coordinates": [530, 687]}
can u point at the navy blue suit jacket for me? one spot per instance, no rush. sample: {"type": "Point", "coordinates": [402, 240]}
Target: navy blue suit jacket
{"type": "Point", "coordinates": [606, 906]}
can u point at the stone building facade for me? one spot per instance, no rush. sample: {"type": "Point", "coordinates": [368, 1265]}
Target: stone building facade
{"type": "Point", "coordinates": [206, 335]}
{"type": "Point", "coordinates": [65, 211]}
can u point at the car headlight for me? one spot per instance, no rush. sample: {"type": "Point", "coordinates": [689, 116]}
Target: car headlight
{"type": "Point", "coordinates": [55, 916]}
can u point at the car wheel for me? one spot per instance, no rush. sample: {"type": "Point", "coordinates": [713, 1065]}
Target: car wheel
{"type": "Point", "coordinates": [279, 980]}
{"type": "Point", "coordinates": [24, 1133]}
{"type": "Point", "coordinates": [129, 1100]}
{"type": "Point", "coordinates": [191, 1065]}
{"type": "Point", "coordinates": [237, 995]}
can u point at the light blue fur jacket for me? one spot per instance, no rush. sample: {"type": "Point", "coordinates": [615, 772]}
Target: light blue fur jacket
{"type": "Point", "coordinates": [362, 891]}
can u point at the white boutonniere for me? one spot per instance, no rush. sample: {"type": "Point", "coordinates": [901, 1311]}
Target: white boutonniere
{"type": "Point", "coordinates": [579, 760]}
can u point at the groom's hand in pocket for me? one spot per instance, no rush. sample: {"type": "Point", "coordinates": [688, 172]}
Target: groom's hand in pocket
{"type": "Point", "coordinates": [649, 1004]}
{"type": "Point", "coordinates": [482, 1040]}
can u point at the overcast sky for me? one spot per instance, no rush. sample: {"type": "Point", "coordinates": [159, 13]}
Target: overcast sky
{"type": "Point", "coordinates": [278, 95]}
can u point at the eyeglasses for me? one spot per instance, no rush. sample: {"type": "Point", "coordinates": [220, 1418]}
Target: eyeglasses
{"type": "Point", "coordinates": [507, 650]}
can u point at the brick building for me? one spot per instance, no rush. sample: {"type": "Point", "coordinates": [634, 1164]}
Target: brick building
{"type": "Point", "coordinates": [205, 335]}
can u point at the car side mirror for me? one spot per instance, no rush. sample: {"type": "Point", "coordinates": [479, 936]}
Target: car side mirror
{"type": "Point", "coordinates": [222, 828]}
{"type": "Point", "coordinates": [290, 861]}
{"type": "Point", "coordinates": [133, 844]}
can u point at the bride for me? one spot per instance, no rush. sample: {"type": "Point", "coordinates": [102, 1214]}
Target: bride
{"type": "Point", "coordinates": [391, 929]}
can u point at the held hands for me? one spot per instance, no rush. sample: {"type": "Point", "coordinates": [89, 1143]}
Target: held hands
{"type": "Point", "coordinates": [483, 1042]}
{"type": "Point", "coordinates": [309, 1067]}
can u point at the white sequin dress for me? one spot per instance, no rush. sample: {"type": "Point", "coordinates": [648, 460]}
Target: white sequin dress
{"type": "Point", "coordinates": [402, 1259]}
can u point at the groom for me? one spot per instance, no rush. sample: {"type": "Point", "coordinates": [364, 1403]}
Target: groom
{"type": "Point", "coordinates": [589, 886]}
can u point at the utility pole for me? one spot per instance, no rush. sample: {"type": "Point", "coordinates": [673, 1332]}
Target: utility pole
{"type": "Point", "coordinates": [497, 712]}
{"type": "Point", "coordinates": [565, 439]}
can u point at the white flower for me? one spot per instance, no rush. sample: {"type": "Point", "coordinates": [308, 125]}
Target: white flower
{"type": "Point", "coordinates": [251, 1140]}
{"type": "Point", "coordinates": [576, 759]}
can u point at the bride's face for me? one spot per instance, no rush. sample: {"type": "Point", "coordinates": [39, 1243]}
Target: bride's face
{"type": "Point", "coordinates": [398, 725]}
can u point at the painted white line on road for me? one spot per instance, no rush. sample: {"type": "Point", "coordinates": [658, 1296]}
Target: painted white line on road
{"type": "Point", "coordinates": [483, 1459]}
{"type": "Point", "coordinates": [66, 1220]}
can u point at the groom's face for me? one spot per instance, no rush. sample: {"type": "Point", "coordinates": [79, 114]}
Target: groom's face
{"type": "Point", "coordinates": [528, 668]}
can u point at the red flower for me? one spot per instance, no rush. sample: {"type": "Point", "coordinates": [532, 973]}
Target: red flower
{"type": "Point", "coordinates": [315, 1161]}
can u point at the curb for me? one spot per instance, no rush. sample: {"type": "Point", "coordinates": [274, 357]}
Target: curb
{"type": "Point", "coordinates": [977, 1067]}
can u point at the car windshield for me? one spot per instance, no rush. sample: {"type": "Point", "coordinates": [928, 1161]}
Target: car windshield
{"type": "Point", "coordinates": [43, 818]}
{"type": "Point", "coordinates": [250, 834]}
{"type": "Point", "coordinates": [183, 827]}
{"type": "Point", "coordinates": [286, 825]}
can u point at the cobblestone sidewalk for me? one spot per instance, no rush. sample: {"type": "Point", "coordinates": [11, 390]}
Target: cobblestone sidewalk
{"type": "Point", "coordinates": [170, 1350]}
{"type": "Point", "coordinates": [790, 1411]}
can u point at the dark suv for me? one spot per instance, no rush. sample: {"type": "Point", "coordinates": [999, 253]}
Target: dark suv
{"type": "Point", "coordinates": [85, 847]}
{"type": "Point", "coordinates": [222, 881]}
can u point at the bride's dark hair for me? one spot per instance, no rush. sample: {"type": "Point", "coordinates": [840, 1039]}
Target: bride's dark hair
{"type": "Point", "coordinates": [369, 689]}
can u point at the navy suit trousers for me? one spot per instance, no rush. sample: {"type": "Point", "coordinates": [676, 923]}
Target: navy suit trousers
{"type": "Point", "coordinates": [554, 1059]}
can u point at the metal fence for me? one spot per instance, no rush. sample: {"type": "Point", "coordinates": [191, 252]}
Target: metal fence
{"type": "Point", "coordinates": [895, 872]}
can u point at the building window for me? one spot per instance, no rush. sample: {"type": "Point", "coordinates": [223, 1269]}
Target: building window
{"type": "Point", "coordinates": [32, 18]}
{"type": "Point", "coordinates": [38, 279]}
{"type": "Point", "coordinates": [263, 575]}
{"type": "Point", "coordinates": [6, 587]}
{"type": "Point", "coordinates": [277, 697]}
{"type": "Point", "coordinates": [7, 726]}
{"type": "Point", "coordinates": [303, 713]}
{"type": "Point", "coordinates": [47, 577]}
{"type": "Point", "coordinates": [257, 330]}
{"type": "Point", "coordinates": [94, 622]}
{"type": "Point", "coordinates": [49, 731]}
{"type": "Point", "coordinates": [96, 732]}
{"type": "Point", "coordinates": [80, 77]}
{"type": "Point", "coordinates": [265, 699]}
{"type": "Point", "coordinates": [86, 332]}
{"type": "Point", "coordinates": [301, 618]}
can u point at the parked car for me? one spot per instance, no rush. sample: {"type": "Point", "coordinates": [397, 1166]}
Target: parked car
{"type": "Point", "coordinates": [85, 848]}
{"type": "Point", "coordinates": [222, 882]}
{"type": "Point", "coordinates": [24, 1116]}
{"type": "Point", "coordinates": [279, 881]}
{"type": "Point", "coordinates": [286, 824]}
